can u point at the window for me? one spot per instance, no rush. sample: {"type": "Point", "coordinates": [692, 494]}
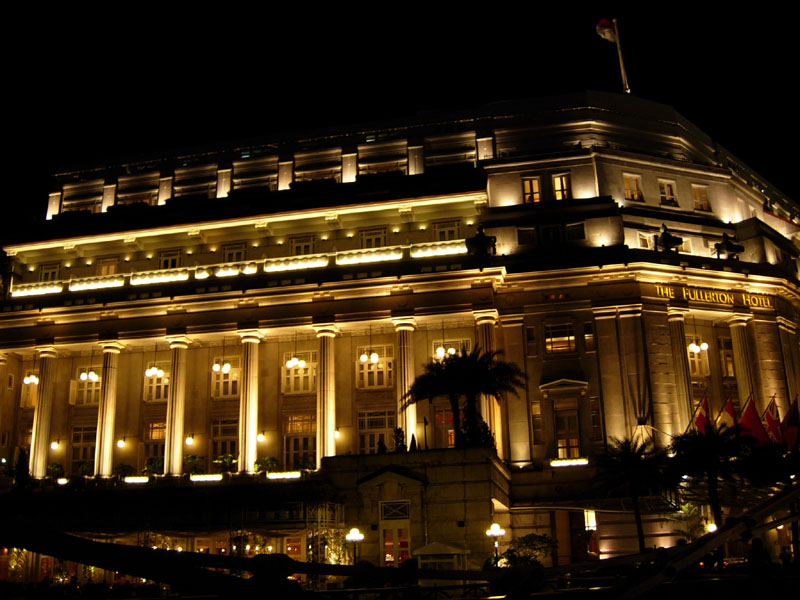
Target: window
{"type": "Point", "coordinates": [375, 375]}
{"type": "Point", "coordinates": [597, 422]}
{"type": "Point", "coordinates": [726, 357]}
{"type": "Point", "coordinates": [300, 442]}
{"type": "Point", "coordinates": [666, 192]}
{"type": "Point", "coordinates": [156, 389]}
{"type": "Point", "coordinates": [588, 337]}
{"type": "Point", "coordinates": [225, 385]}
{"type": "Point", "coordinates": [559, 339]}
{"type": "Point", "coordinates": [302, 245]}
{"type": "Point", "coordinates": [170, 259]}
{"type": "Point", "coordinates": [49, 272]}
{"type": "Point", "coordinates": [297, 379]}
{"type": "Point", "coordinates": [10, 381]}
{"type": "Point", "coordinates": [107, 266]}
{"type": "Point", "coordinates": [374, 427]}
{"type": "Point", "coordinates": [155, 435]}
{"type": "Point", "coordinates": [395, 546]}
{"type": "Point", "coordinates": [233, 253]}
{"type": "Point", "coordinates": [550, 235]}
{"type": "Point", "coordinates": [567, 440]}
{"type": "Point", "coordinates": [531, 347]}
{"type": "Point", "coordinates": [443, 428]}
{"type": "Point", "coordinates": [686, 246]}
{"type": "Point", "coordinates": [575, 231]}
{"type": "Point", "coordinates": [537, 423]}
{"type": "Point", "coordinates": [29, 391]}
{"type": "Point", "coordinates": [83, 440]}
{"type": "Point", "coordinates": [526, 236]}
{"type": "Point", "coordinates": [395, 511]}
{"type": "Point", "coordinates": [561, 189]}
{"type": "Point", "coordinates": [224, 436]}
{"type": "Point", "coordinates": [645, 241]}
{"type": "Point", "coordinates": [442, 348]}
{"type": "Point", "coordinates": [373, 238]}
{"type": "Point", "coordinates": [698, 362]}
{"type": "Point", "coordinates": [87, 391]}
{"type": "Point", "coordinates": [531, 189]}
{"type": "Point", "coordinates": [700, 194]}
{"type": "Point", "coordinates": [633, 187]}
{"type": "Point", "coordinates": [445, 231]}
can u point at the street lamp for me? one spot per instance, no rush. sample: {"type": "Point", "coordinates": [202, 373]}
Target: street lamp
{"type": "Point", "coordinates": [495, 531]}
{"type": "Point", "coordinates": [355, 536]}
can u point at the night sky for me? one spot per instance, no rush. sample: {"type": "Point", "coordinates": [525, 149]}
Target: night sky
{"type": "Point", "coordinates": [143, 83]}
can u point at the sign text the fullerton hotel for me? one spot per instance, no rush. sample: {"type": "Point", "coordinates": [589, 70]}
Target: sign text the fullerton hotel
{"type": "Point", "coordinates": [714, 296]}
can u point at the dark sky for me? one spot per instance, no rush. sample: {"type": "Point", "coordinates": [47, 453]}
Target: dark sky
{"type": "Point", "coordinates": [132, 83]}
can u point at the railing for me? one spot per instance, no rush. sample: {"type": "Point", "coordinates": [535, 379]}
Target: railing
{"type": "Point", "coordinates": [230, 270]}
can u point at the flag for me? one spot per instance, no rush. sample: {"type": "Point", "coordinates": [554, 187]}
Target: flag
{"type": "Point", "coordinates": [701, 421]}
{"type": "Point", "coordinates": [791, 426]}
{"type": "Point", "coordinates": [772, 423]}
{"type": "Point", "coordinates": [727, 417]}
{"type": "Point", "coordinates": [751, 425]}
{"type": "Point", "coordinates": [607, 30]}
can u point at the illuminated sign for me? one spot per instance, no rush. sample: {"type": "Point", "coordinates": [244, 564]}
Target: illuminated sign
{"type": "Point", "coordinates": [714, 296]}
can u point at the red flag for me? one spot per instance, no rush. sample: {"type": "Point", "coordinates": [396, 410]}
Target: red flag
{"type": "Point", "coordinates": [772, 423]}
{"type": "Point", "coordinates": [791, 426]}
{"type": "Point", "coordinates": [727, 418]}
{"type": "Point", "coordinates": [606, 30]}
{"type": "Point", "coordinates": [751, 425]}
{"type": "Point", "coordinates": [701, 420]}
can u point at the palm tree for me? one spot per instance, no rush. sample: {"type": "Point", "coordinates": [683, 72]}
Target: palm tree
{"type": "Point", "coordinates": [463, 378]}
{"type": "Point", "coordinates": [635, 468]}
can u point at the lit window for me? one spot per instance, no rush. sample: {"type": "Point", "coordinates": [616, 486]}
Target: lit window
{"type": "Point", "coordinates": [170, 259]}
{"type": "Point", "coordinates": [107, 266]}
{"type": "Point", "coordinates": [537, 423]}
{"type": "Point", "coordinates": [645, 241]}
{"type": "Point", "coordinates": [373, 238]}
{"type": "Point", "coordinates": [49, 272]}
{"type": "Point", "coordinates": [374, 427]}
{"type": "Point", "coordinates": [597, 422]}
{"type": "Point", "coordinates": [531, 189]}
{"type": "Point", "coordinates": [559, 339]}
{"type": "Point", "coordinates": [396, 546]}
{"type": "Point", "coordinates": [225, 385]}
{"type": "Point", "coordinates": [666, 192]}
{"type": "Point", "coordinates": [300, 442]}
{"type": "Point", "coordinates": [445, 231]}
{"type": "Point", "coordinates": [561, 188]}
{"type": "Point", "coordinates": [588, 336]}
{"type": "Point", "coordinates": [686, 246]}
{"type": "Point", "coordinates": [700, 194]}
{"type": "Point", "coordinates": [633, 187]}
{"type": "Point", "coordinates": [224, 436]}
{"type": "Point", "coordinates": [531, 347]}
{"type": "Point", "coordinates": [443, 428]}
{"type": "Point", "coordinates": [233, 253]}
{"type": "Point", "coordinates": [375, 374]}
{"type": "Point", "coordinates": [83, 441]}
{"type": "Point", "coordinates": [87, 391]}
{"type": "Point", "coordinates": [302, 245]}
{"type": "Point", "coordinates": [567, 439]}
{"type": "Point", "coordinates": [444, 348]}
{"type": "Point", "coordinates": [725, 347]}
{"type": "Point", "coordinates": [300, 379]}
{"type": "Point", "coordinates": [698, 361]}
{"type": "Point", "coordinates": [156, 389]}
{"type": "Point", "coordinates": [155, 435]}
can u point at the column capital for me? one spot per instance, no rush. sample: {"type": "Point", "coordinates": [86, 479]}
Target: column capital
{"type": "Point", "coordinates": [739, 319]}
{"type": "Point", "coordinates": [676, 313]}
{"type": "Point", "coordinates": [3, 358]}
{"type": "Point", "coordinates": [178, 341]}
{"type": "Point", "coordinates": [486, 316]}
{"type": "Point", "coordinates": [112, 347]}
{"type": "Point", "coordinates": [404, 323]}
{"type": "Point", "coordinates": [326, 329]}
{"type": "Point", "coordinates": [250, 336]}
{"type": "Point", "coordinates": [512, 320]}
{"type": "Point", "coordinates": [47, 352]}
{"type": "Point", "coordinates": [783, 323]}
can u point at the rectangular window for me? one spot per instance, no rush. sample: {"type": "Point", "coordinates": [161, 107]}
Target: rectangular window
{"type": "Point", "coordinates": [645, 241]}
{"type": "Point", "coordinates": [233, 253]}
{"type": "Point", "coordinates": [377, 374]}
{"type": "Point", "coordinates": [633, 187]}
{"type": "Point", "coordinates": [396, 546]}
{"type": "Point", "coordinates": [698, 361]}
{"type": "Point", "coordinates": [537, 423]}
{"type": "Point", "coordinates": [526, 236]}
{"type": "Point", "coordinates": [726, 357]}
{"type": "Point", "coordinates": [83, 441]}
{"type": "Point", "coordinates": [301, 378]}
{"type": "Point", "coordinates": [561, 189]}
{"type": "Point", "coordinates": [156, 386]}
{"type": "Point", "coordinates": [169, 259]}
{"type": "Point", "coordinates": [442, 348]}
{"type": "Point", "coordinates": [49, 272]}
{"type": "Point", "coordinates": [443, 427]}
{"type": "Point", "coordinates": [567, 440]}
{"type": "Point", "coordinates": [531, 347]}
{"type": "Point", "coordinates": [224, 436]}
{"type": "Point", "coordinates": [375, 427]}
{"type": "Point", "coordinates": [550, 235]}
{"type": "Point", "coordinates": [302, 245]}
{"type": "Point", "coordinates": [445, 231]}
{"type": "Point", "coordinates": [575, 231]}
{"type": "Point", "coordinates": [88, 391]}
{"type": "Point", "coordinates": [395, 511]}
{"type": "Point", "coordinates": [225, 385]}
{"type": "Point", "coordinates": [107, 266]}
{"type": "Point", "coordinates": [588, 337]}
{"type": "Point", "coordinates": [299, 444]}
{"type": "Point", "coordinates": [531, 189]}
{"type": "Point", "coordinates": [700, 194]}
{"type": "Point", "coordinates": [373, 238]}
{"type": "Point", "coordinates": [666, 192]}
{"type": "Point", "coordinates": [686, 246]}
{"type": "Point", "coordinates": [155, 435]}
{"type": "Point", "coordinates": [597, 422]}
{"type": "Point", "coordinates": [559, 339]}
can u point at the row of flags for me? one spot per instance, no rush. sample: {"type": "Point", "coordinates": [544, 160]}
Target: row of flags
{"type": "Point", "coordinates": [769, 428]}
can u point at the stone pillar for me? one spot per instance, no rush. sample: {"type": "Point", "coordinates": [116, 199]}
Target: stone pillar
{"type": "Point", "coordinates": [684, 408]}
{"type": "Point", "coordinates": [742, 358]}
{"type": "Point", "coordinates": [615, 409]}
{"type": "Point", "coordinates": [176, 401]}
{"type": "Point", "coordinates": [248, 402]}
{"type": "Point", "coordinates": [485, 321]}
{"type": "Point", "coordinates": [404, 372]}
{"type": "Point", "coordinates": [517, 407]}
{"type": "Point", "coordinates": [326, 392]}
{"type": "Point", "coordinates": [107, 411]}
{"type": "Point", "coordinates": [788, 336]}
{"type": "Point", "coordinates": [42, 414]}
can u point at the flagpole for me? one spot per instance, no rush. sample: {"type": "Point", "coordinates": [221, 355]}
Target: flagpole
{"type": "Point", "coordinates": [621, 63]}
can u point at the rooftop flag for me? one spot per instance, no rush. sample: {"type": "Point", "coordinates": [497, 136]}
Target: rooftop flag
{"type": "Point", "coordinates": [609, 31]}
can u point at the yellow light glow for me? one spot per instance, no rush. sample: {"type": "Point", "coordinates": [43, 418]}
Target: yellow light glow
{"type": "Point", "coordinates": [495, 531]}
{"type": "Point", "coordinates": [96, 284]}
{"type": "Point", "coordinates": [54, 445]}
{"type": "Point", "coordinates": [190, 440]}
{"type": "Point", "coordinates": [439, 249]}
{"type": "Point", "coordinates": [206, 477]}
{"type": "Point", "coordinates": [37, 290]}
{"type": "Point", "coordinates": [314, 262]}
{"type": "Point", "coordinates": [201, 274]}
{"type": "Point", "coordinates": [336, 434]}
{"type": "Point", "coordinates": [711, 527]}
{"type": "Point", "coordinates": [250, 268]}
{"type": "Point", "coordinates": [284, 475]}
{"type": "Point", "coordinates": [137, 479]}
{"type": "Point", "coordinates": [120, 443]}
{"type": "Point", "coordinates": [62, 481]}
{"type": "Point", "coordinates": [569, 462]}
{"type": "Point", "coordinates": [159, 277]}
{"type": "Point", "coordinates": [369, 256]}
{"type": "Point", "coordinates": [260, 437]}
{"type": "Point", "coordinates": [227, 271]}
{"type": "Point", "coordinates": [354, 535]}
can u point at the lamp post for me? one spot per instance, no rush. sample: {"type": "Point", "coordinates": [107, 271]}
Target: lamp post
{"type": "Point", "coordinates": [354, 536]}
{"type": "Point", "coordinates": [495, 531]}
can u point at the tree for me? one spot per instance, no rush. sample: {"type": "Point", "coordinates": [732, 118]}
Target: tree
{"type": "Point", "coordinates": [463, 378]}
{"type": "Point", "coordinates": [634, 468]}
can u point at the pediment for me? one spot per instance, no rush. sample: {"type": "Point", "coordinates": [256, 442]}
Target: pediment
{"type": "Point", "coordinates": [564, 384]}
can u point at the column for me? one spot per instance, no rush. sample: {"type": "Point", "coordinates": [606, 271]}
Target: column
{"type": "Point", "coordinates": [107, 411]}
{"type": "Point", "coordinates": [173, 454]}
{"type": "Point", "coordinates": [518, 408]}
{"type": "Point", "coordinates": [683, 378]}
{"type": "Point", "coordinates": [404, 373]}
{"type": "Point", "coordinates": [248, 401]}
{"type": "Point", "coordinates": [485, 321]}
{"type": "Point", "coordinates": [42, 414]}
{"type": "Point", "coordinates": [326, 392]}
{"type": "Point", "coordinates": [788, 335]}
{"type": "Point", "coordinates": [742, 359]}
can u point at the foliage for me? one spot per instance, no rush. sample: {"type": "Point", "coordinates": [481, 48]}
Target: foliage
{"type": "Point", "coordinates": [528, 550]}
{"type": "Point", "coordinates": [690, 522]}
{"type": "Point", "coordinates": [266, 464]}
{"type": "Point", "coordinates": [192, 464]}
{"type": "Point", "coordinates": [462, 379]}
{"type": "Point", "coordinates": [399, 440]}
{"type": "Point", "coordinates": [55, 470]}
{"type": "Point", "coordinates": [154, 466]}
{"type": "Point", "coordinates": [327, 545]}
{"type": "Point", "coordinates": [85, 468]}
{"type": "Point", "coordinates": [226, 462]}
